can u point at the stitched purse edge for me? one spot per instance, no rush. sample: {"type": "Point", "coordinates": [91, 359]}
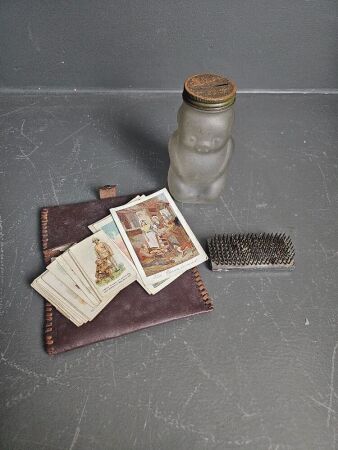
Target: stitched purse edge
{"type": "Point", "coordinates": [48, 310]}
{"type": "Point", "coordinates": [202, 289]}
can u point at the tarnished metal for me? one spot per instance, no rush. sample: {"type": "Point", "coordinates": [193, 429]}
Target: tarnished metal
{"type": "Point", "coordinates": [209, 92]}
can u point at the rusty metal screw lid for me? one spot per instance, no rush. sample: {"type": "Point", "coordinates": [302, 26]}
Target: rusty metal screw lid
{"type": "Point", "coordinates": [209, 92]}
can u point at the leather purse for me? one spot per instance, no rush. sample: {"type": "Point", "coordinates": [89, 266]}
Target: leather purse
{"type": "Point", "coordinates": [132, 309]}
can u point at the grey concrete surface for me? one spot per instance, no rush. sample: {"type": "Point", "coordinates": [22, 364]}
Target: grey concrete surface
{"type": "Point", "coordinates": [157, 43]}
{"type": "Point", "coordinates": [261, 371]}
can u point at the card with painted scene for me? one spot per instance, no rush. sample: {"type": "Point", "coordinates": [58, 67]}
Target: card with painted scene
{"type": "Point", "coordinates": [107, 224]}
{"type": "Point", "coordinates": [158, 238]}
{"type": "Point", "coordinates": [103, 264]}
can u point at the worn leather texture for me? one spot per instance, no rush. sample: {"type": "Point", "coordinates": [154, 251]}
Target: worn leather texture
{"type": "Point", "coordinates": [132, 309]}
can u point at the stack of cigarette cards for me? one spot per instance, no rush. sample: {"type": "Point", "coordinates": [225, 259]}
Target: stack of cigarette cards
{"type": "Point", "coordinates": [85, 278]}
{"type": "Point", "coordinates": [147, 240]}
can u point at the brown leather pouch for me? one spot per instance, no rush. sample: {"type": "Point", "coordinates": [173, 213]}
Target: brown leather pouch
{"type": "Point", "coordinates": [133, 309]}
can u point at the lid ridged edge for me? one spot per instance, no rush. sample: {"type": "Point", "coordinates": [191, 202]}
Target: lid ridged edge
{"type": "Point", "coordinates": [210, 92]}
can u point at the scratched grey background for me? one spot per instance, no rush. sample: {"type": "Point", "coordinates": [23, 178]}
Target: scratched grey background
{"type": "Point", "coordinates": [104, 44]}
{"type": "Point", "coordinates": [257, 373]}
{"type": "Point", "coordinates": [260, 372]}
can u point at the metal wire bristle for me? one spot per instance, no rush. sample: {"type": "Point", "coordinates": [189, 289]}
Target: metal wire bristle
{"type": "Point", "coordinates": [251, 251]}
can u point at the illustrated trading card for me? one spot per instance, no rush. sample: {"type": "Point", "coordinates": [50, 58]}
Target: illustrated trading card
{"type": "Point", "coordinates": [60, 304]}
{"type": "Point", "coordinates": [60, 290]}
{"type": "Point", "coordinates": [108, 225]}
{"type": "Point", "coordinates": [69, 265]}
{"type": "Point", "coordinates": [73, 299]}
{"type": "Point", "coordinates": [103, 264]}
{"type": "Point", "coordinates": [56, 269]}
{"type": "Point", "coordinates": [157, 236]}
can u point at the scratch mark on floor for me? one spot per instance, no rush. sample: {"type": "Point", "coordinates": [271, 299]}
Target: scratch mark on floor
{"type": "Point", "coordinates": [148, 412]}
{"type": "Point", "coordinates": [230, 213]}
{"type": "Point", "coordinates": [191, 395]}
{"type": "Point", "coordinates": [332, 390]}
{"type": "Point", "coordinates": [78, 428]}
{"type": "Point", "coordinates": [245, 413]}
{"type": "Point", "coordinates": [73, 134]}
{"type": "Point", "coordinates": [202, 369]}
{"type": "Point", "coordinates": [53, 187]}
{"type": "Point", "coordinates": [13, 211]}
{"type": "Point", "coordinates": [9, 343]}
{"type": "Point", "coordinates": [13, 267]}
{"type": "Point", "coordinates": [324, 184]}
{"type": "Point", "coordinates": [322, 404]}
{"type": "Point", "coordinates": [25, 155]}
{"type": "Point", "coordinates": [112, 365]}
{"type": "Point", "coordinates": [30, 372]}
{"type": "Point", "coordinates": [27, 158]}
{"type": "Point", "coordinates": [268, 314]}
{"type": "Point", "coordinates": [324, 251]}
{"type": "Point", "coordinates": [16, 110]}
{"type": "Point", "coordinates": [33, 40]}
{"type": "Point", "coordinates": [14, 401]}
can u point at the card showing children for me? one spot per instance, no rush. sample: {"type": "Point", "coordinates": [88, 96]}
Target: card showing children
{"type": "Point", "coordinates": [157, 236]}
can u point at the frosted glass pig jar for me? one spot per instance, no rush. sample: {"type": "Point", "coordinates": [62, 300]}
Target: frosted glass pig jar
{"type": "Point", "coordinates": [201, 147]}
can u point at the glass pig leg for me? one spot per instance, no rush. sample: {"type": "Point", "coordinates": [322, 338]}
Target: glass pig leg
{"type": "Point", "coordinates": [181, 190]}
{"type": "Point", "coordinates": [199, 192]}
